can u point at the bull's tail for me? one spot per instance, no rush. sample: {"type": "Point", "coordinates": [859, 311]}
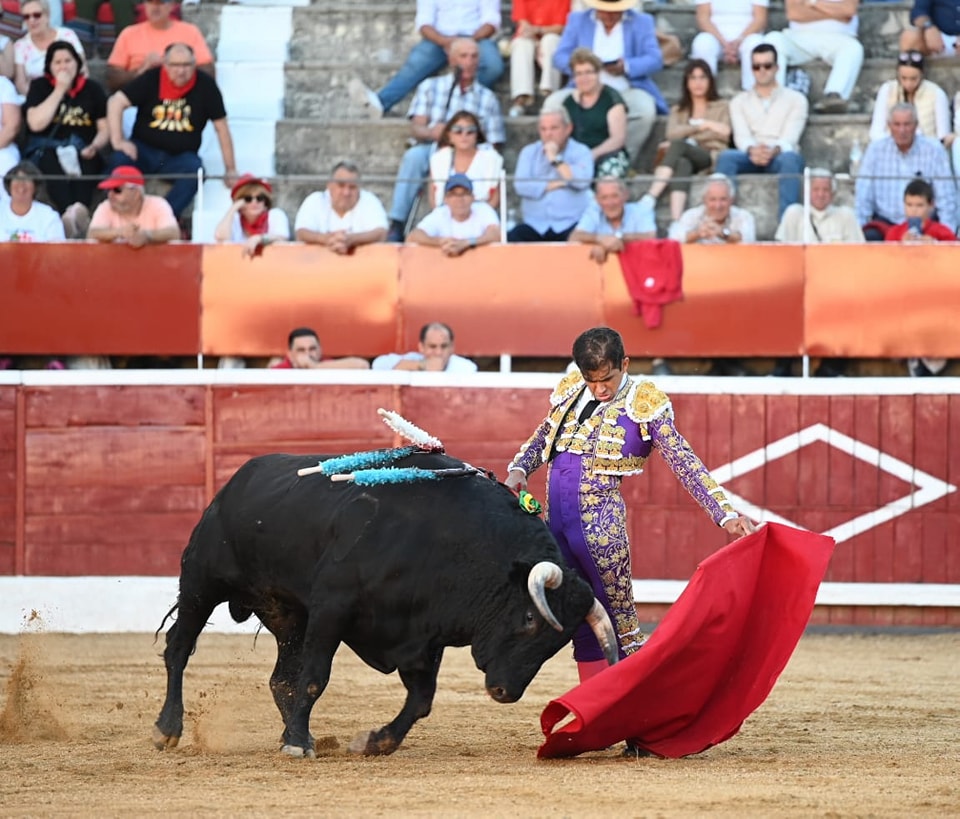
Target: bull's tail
{"type": "Point", "coordinates": [166, 617]}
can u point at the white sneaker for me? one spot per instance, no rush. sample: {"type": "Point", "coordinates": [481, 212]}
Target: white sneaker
{"type": "Point", "coordinates": [517, 111]}
{"type": "Point", "coordinates": [362, 95]}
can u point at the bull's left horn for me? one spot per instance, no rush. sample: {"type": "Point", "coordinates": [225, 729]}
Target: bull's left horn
{"type": "Point", "coordinates": [544, 575]}
{"type": "Point", "coordinates": [599, 621]}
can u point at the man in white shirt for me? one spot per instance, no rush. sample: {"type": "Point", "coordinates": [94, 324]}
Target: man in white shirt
{"type": "Point", "coordinates": [343, 216]}
{"type": "Point", "coordinates": [827, 223]}
{"type": "Point", "coordinates": [435, 354]}
{"type": "Point", "coordinates": [767, 123]}
{"type": "Point", "coordinates": [460, 223]}
{"type": "Point", "coordinates": [717, 221]}
{"type": "Point", "coordinates": [824, 29]}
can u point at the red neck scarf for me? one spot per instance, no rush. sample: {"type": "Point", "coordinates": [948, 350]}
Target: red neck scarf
{"type": "Point", "coordinates": [257, 227]}
{"type": "Point", "coordinates": [74, 89]}
{"type": "Point", "coordinates": [169, 91]}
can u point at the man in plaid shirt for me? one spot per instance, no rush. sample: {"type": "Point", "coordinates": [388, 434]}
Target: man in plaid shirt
{"type": "Point", "coordinates": [437, 99]}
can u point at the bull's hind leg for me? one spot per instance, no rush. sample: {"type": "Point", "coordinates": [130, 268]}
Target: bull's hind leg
{"type": "Point", "coordinates": [288, 627]}
{"type": "Point", "coordinates": [193, 611]}
{"type": "Point", "coordinates": [421, 685]}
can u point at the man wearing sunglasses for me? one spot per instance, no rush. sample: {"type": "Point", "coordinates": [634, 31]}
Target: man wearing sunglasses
{"type": "Point", "coordinates": [768, 121]}
{"type": "Point", "coordinates": [131, 216]}
{"type": "Point", "coordinates": [826, 30]}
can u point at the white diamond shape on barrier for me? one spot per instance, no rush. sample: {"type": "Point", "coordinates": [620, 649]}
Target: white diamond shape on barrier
{"type": "Point", "coordinates": [927, 488]}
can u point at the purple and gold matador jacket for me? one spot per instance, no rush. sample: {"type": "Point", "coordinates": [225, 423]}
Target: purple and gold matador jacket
{"type": "Point", "coordinates": [617, 440]}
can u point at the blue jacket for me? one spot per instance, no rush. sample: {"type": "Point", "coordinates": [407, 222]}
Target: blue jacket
{"type": "Point", "coordinates": [945, 14]}
{"type": "Point", "coordinates": [642, 57]}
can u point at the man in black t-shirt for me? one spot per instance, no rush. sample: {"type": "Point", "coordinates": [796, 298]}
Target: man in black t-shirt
{"type": "Point", "coordinates": [174, 103]}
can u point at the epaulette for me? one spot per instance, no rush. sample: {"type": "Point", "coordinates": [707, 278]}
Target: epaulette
{"type": "Point", "coordinates": [645, 402]}
{"type": "Point", "coordinates": [569, 386]}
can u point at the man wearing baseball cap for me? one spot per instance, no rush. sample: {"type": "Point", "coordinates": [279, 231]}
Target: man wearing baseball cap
{"type": "Point", "coordinates": [129, 215]}
{"type": "Point", "coordinates": [460, 223]}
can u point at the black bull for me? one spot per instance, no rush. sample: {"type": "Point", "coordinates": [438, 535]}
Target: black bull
{"type": "Point", "coordinates": [395, 571]}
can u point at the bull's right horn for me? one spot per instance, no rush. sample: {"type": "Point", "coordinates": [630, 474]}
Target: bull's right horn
{"type": "Point", "coordinates": [544, 575]}
{"type": "Point", "coordinates": [599, 621]}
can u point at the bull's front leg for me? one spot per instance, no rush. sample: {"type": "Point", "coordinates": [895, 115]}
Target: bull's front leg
{"type": "Point", "coordinates": [316, 661]}
{"type": "Point", "coordinates": [421, 685]}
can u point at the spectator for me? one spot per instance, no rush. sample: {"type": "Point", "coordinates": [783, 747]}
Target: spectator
{"type": "Point", "coordinates": [304, 353]}
{"type": "Point", "coordinates": [934, 27]}
{"type": "Point", "coordinates": [142, 46]}
{"type": "Point", "coordinates": [717, 220]}
{"type": "Point", "coordinates": [910, 85]}
{"type": "Point", "coordinates": [824, 223]}
{"type": "Point", "coordinates": [123, 11]}
{"type": "Point", "coordinates": [462, 148]}
{"type": "Point", "coordinates": [611, 221]}
{"type": "Point", "coordinates": [441, 23]}
{"type": "Point", "coordinates": [626, 43]}
{"type": "Point", "coordinates": [552, 179]}
{"type": "Point", "coordinates": [6, 57]}
{"type": "Point", "coordinates": [598, 115]}
{"type": "Point", "coordinates": [429, 113]}
{"type": "Point", "coordinates": [174, 102]}
{"type": "Point", "coordinates": [435, 354]}
{"type": "Point", "coordinates": [889, 163]}
{"type": "Point", "coordinates": [920, 228]}
{"type": "Point", "coordinates": [729, 29]}
{"type": "Point", "coordinates": [824, 29]}
{"type": "Point", "coordinates": [538, 25]}
{"type": "Point", "coordinates": [23, 217]}
{"type": "Point", "coordinates": [342, 217]}
{"type": "Point", "coordinates": [29, 52]}
{"type": "Point", "coordinates": [66, 116]}
{"type": "Point", "coordinates": [129, 215]}
{"type": "Point", "coordinates": [767, 123]}
{"type": "Point", "coordinates": [251, 218]}
{"type": "Point", "coordinates": [10, 123]}
{"type": "Point", "coordinates": [827, 223]}
{"type": "Point", "coordinates": [460, 223]}
{"type": "Point", "coordinates": [698, 128]}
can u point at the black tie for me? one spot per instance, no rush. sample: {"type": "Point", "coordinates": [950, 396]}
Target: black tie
{"type": "Point", "coordinates": [587, 410]}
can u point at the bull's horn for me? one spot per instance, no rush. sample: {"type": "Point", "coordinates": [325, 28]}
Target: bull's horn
{"type": "Point", "coordinates": [603, 630]}
{"type": "Point", "coordinates": [544, 575]}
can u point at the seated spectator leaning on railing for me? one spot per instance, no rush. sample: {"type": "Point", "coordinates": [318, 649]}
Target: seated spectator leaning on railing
{"type": "Point", "coordinates": [66, 115]}
{"type": "Point", "coordinates": [131, 216]}
{"type": "Point", "coordinates": [625, 40]}
{"type": "Point", "coordinates": [22, 217]}
{"type": "Point", "coordinates": [552, 179]}
{"type": "Point", "coordinates": [440, 23]}
{"type": "Point", "coordinates": [889, 163]}
{"type": "Point", "coordinates": [305, 353]}
{"type": "Point", "coordinates": [436, 100]}
{"type": "Point", "coordinates": [251, 218]}
{"type": "Point", "coordinates": [611, 221]}
{"type": "Point", "coordinates": [462, 148]}
{"type": "Point", "coordinates": [174, 102]}
{"type": "Point", "coordinates": [343, 216]}
{"type": "Point", "coordinates": [824, 29]}
{"type": "Point", "coordinates": [435, 354]}
{"type": "Point", "coordinates": [698, 128]}
{"type": "Point", "coordinates": [935, 25]}
{"type": "Point", "coordinates": [460, 223]}
{"type": "Point", "coordinates": [598, 116]}
{"type": "Point", "coordinates": [729, 29]}
{"type": "Point", "coordinates": [141, 46]}
{"type": "Point", "coordinates": [717, 220]}
{"type": "Point", "coordinates": [768, 121]}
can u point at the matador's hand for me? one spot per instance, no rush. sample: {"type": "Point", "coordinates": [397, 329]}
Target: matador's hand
{"type": "Point", "coordinates": [740, 526]}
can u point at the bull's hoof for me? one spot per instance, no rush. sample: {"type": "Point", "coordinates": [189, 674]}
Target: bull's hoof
{"type": "Point", "coordinates": [161, 741]}
{"type": "Point", "coordinates": [297, 752]}
{"type": "Point", "coordinates": [367, 744]}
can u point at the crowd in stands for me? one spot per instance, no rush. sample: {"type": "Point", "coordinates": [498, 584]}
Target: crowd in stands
{"type": "Point", "coordinates": [586, 68]}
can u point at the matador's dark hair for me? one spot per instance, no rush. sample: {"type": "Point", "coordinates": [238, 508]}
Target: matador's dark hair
{"type": "Point", "coordinates": [596, 347]}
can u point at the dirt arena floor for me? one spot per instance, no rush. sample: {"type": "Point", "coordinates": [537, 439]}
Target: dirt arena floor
{"type": "Point", "coordinates": [858, 725]}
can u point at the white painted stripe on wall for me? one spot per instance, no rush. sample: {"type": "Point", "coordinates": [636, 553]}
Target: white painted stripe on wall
{"type": "Point", "coordinates": [137, 604]}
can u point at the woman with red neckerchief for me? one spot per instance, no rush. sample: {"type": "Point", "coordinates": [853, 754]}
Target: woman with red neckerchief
{"type": "Point", "coordinates": [251, 217]}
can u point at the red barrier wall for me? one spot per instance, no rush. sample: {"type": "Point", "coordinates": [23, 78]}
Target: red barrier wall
{"type": "Point", "coordinates": [753, 300]}
{"type": "Point", "coordinates": [111, 480]}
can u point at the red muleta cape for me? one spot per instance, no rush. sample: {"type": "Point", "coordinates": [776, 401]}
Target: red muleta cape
{"type": "Point", "coordinates": [713, 659]}
{"type": "Point", "coordinates": [653, 272]}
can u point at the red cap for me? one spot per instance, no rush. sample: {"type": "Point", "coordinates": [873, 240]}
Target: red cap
{"type": "Point", "coordinates": [249, 179]}
{"type": "Point", "coordinates": [122, 175]}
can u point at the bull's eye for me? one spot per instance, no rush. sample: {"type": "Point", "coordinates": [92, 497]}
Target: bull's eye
{"type": "Point", "coordinates": [530, 621]}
